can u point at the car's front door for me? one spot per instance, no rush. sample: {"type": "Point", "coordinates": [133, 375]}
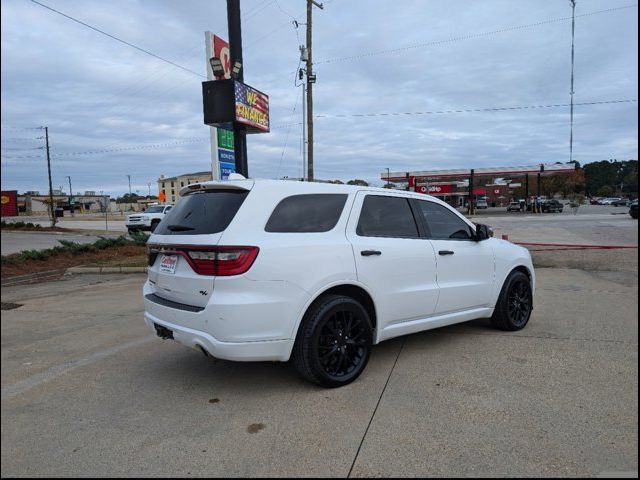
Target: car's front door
{"type": "Point", "coordinates": [465, 266]}
{"type": "Point", "coordinates": [396, 265]}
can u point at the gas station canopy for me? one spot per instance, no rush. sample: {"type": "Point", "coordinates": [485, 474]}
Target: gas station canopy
{"type": "Point", "coordinates": [480, 172]}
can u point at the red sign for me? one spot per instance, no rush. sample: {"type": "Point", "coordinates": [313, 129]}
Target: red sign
{"type": "Point", "coordinates": [435, 189]}
{"type": "Point", "coordinates": [479, 191]}
{"type": "Point", "coordinates": [221, 50]}
{"type": "Point", "coordinates": [9, 201]}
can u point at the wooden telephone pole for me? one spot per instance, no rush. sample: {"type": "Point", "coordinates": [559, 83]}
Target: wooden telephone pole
{"type": "Point", "coordinates": [311, 78]}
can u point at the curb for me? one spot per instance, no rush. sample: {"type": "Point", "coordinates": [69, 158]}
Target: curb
{"type": "Point", "coordinates": [101, 270]}
{"type": "Point", "coordinates": [33, 277]}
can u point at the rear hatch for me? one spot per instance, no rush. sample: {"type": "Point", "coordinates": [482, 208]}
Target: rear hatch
{"type": "Point", "coordinates": [184, 256]}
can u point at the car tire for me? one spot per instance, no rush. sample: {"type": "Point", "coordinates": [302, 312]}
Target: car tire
{"type": "Point", "coordinates": [334, 341]}
{"type": "Point", "coordinates": [154, 225]}
{"type": "Point", "coordinates": [515, 303]}
{"type": "Point", "coordinates": [131, 230]}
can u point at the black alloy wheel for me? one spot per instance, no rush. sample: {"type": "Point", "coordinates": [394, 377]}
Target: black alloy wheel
{"type": "Point", "coordinates": [519, 302]}
{"type": "Point", "coordinates": [334, 341]}
{"type": "Point", "coordinates": [515, 303]}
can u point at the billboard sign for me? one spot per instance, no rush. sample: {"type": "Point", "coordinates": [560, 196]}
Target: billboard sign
{"type": "Point", "coordinates": [221, 139]}
{"type": "Point", "coordinates": [252, 107]}
{"type": "Point", "coordinates": [9, 203]}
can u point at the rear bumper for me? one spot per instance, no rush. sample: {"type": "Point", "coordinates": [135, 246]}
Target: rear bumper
{"type": "Point", "coordinates": [275, 350]}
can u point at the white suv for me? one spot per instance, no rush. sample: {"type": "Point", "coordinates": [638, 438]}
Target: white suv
{"type": "Point", "coordinates": [271, 270]}
{"type": "Point", "coordinates": [147, 220]}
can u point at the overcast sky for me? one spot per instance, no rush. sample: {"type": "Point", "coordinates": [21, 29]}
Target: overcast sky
{"type": "Point", "coordinates": [95, 93]}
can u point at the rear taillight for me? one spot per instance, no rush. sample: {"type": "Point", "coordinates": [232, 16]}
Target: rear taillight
{"type": "Point", "coordinates": [218, 261]}
{"type": "Point", "coordinates": [235, 260]}
{"type": "Point", "coordinates": [203, 262]}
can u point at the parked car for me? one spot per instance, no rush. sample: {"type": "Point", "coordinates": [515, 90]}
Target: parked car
{"type": "Point", "coordinates": [481, 203]}
{"type": "Point", "coordinates": [633, 209]}
{"type": "Point", "coordinates": [594, 201]}
{"type": "Point", "coordinates": [552, 206]}
{"type": "Point", "coordinates": [147, 220]}
{"type": "Point", "coordinates": [514, 207]}
{"type": "Point", "coordinates": [609, 201]}
{"type": "Point", "coordinates": [620, 202]}
{"type": "Point", "coordinates": [255, 270]}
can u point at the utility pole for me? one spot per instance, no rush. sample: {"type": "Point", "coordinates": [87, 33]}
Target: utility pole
{"type": "Point", "coordinates": [304, 133]}
{"type": "Point", "coordinates": [129, 177]}
{"type": "Point", "coordinates": [70, 197]}
{"type": "Point", "coordinates": [235, 55]}
{"type": "Point", "coordinates": [573, 30]}
{"type": "Point", "coordinates": [311, 78]}
{"type": "Point", "coordinates": [51, 207]}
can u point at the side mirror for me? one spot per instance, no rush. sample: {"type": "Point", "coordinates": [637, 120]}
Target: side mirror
{"type": "Point", "coordinates": [483, 232]}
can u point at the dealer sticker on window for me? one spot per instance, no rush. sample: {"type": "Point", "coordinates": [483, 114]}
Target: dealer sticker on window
{"type": "Point", "coordinates": [168, 264]}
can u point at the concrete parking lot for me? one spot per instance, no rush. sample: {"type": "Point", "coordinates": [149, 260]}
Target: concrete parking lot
{"type": "Point", "coordinates": [88, 391]}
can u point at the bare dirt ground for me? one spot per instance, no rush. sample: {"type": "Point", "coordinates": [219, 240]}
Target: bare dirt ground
{"type": "Point", "coordinates": [128, 255]}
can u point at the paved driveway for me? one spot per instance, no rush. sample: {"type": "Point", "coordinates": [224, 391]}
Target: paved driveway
{"type": "Point", "coordinates": [87, 391]}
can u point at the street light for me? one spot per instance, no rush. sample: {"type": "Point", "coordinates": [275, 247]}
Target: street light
{"type": "Point", "coordinates": [216, 66]}
{"type": "Point", "coordinates": [236, 68]}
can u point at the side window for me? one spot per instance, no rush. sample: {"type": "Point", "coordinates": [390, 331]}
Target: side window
{"type": "Point", "coordinates": [383, 216]}
{"type": "Point", "coordinates": [306, 213]}
{"type": "Point", "coordinates": [167, 209]}
{"type": "Point", "coordinates": [443, 223]}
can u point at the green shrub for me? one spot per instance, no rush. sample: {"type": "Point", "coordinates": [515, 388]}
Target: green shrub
{"type": "Point", "coordinates": [139, 238]}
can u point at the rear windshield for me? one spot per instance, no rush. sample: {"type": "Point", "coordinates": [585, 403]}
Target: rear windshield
{"type": "Point", "coordinates": [203, 212]}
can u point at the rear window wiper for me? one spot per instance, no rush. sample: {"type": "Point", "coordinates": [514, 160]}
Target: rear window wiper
{"type": "Point", "coordinates": [179, 228]}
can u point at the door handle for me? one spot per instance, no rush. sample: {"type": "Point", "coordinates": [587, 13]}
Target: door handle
{"type": "Point", "coordinates": [446, 252]}
{"type": "Point", "coordinates": [368, 253]}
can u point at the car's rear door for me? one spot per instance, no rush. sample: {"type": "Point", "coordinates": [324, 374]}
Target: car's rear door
{"type": "Point", "coordinates": [396, 265]}
{"type": "Point", "coordinates": [465, 267]}
{"type": "Point", "coordinates": [182, 250]}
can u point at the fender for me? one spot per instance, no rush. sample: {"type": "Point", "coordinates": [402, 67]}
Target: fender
{"type": "Point", "coordinates": [312, 298]}
{"type": "Point", "coordinates": [501, 278]}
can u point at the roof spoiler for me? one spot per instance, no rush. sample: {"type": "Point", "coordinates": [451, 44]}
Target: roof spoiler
{"type": "Point", "coordinates": [231, 184]}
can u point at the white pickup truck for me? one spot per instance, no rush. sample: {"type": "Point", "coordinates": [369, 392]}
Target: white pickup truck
{"type": "Point", "coordinates": [147, 220]}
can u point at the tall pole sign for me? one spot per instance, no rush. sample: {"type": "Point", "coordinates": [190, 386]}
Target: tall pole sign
{"type": "Point", "coordinates": [221, 138]}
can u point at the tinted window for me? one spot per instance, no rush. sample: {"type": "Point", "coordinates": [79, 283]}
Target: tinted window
{"type": "Point", "coordinates": [443, 223]}
{"type": "Point", "coordinates": [202, 212]}
{"type": "Point", "coordinates": [306, 213]}
{"type": "Point", "coordinates": [386, 217]}
{"type": "Point", "coordinates": [154, 210]}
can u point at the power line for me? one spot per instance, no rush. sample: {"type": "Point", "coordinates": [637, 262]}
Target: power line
{"type": "Point", "coordinates": [9, 127]}
{"type": "Point", "coordinates": [466, 37]}
{"type": "Point", "coordinates": [133, 147]}
{"type": "Point", "coordinates": [119, 39]}
{"type": "Point", "coordinates": [339, 115]}
{"type": "Point", "coordinates": [464, 110]}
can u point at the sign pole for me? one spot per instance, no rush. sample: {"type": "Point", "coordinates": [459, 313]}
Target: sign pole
{"type": "Point", "coordinates": [235, 54]}
{"type": "Point", "coordinates": [213, 131]}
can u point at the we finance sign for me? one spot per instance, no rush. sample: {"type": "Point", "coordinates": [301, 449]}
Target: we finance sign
{"type": "Point", "coordinates": [252, 107]}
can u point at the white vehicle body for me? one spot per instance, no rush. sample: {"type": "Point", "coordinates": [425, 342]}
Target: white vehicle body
{"type": "Point", "coordinates": [413, 285]}
{"type": "Point", "coordinates": [148, 219]}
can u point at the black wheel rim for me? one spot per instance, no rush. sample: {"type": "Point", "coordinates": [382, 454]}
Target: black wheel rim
{"type": "Point", "coordinates": [519, 302]}
{"type": "Point", "coordinates": [343, 343]}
